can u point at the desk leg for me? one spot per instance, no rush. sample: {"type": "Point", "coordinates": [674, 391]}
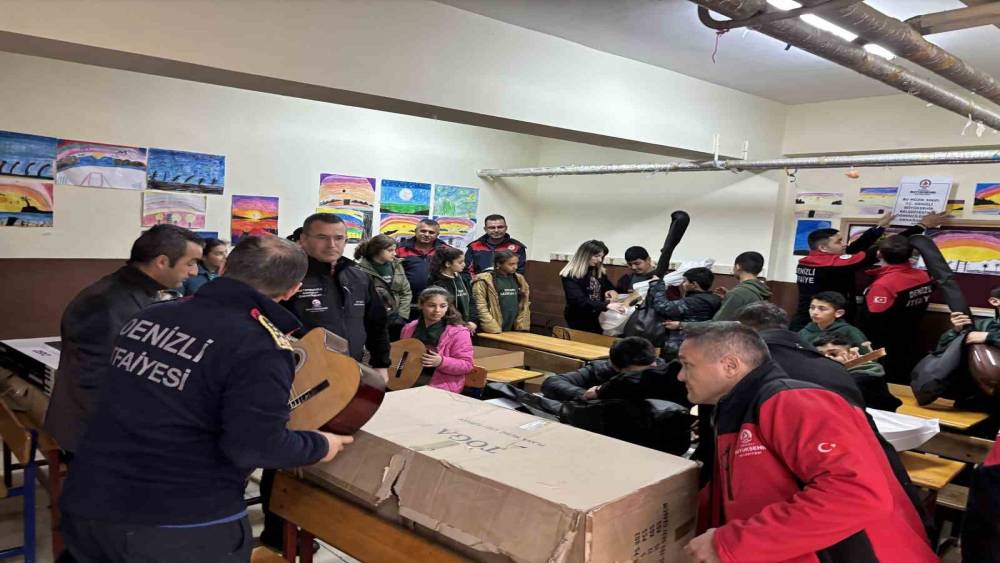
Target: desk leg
{"type": "Point", "coordinates": [291, 542]}
{"type": "Point", "coordinates": [54, 458]}
{"type": "Point", "coordinates": [305, 546]}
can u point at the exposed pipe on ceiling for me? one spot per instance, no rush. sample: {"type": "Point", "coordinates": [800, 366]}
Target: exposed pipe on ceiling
{"type": "Point", "coordinates": [839, 161]}
{"type": "Point", "coordinates": [961, 18]}
{"type": "Point", "coordinates": [891, 33]}
{"type": "Point", "coordinates": [828, 46]}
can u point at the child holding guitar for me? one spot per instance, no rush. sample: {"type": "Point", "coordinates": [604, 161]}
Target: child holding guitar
{"type": "Point", "coordinates": [449, 343]}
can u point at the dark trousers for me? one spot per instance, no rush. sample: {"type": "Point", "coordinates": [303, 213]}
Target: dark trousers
{"type": "Point", "coordinates": [92, 541]}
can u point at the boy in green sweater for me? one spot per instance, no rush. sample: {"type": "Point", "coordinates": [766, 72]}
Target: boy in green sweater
{"type": "Point", "coordinates": [751, 289]}
{"type": "Point", "coordinates": [826, 311]}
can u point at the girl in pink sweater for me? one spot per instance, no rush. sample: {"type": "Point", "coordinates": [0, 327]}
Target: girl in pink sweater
{"type": "Point", "coordinates": [449, 343]}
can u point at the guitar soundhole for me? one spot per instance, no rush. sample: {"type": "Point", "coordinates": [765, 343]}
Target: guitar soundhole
{"type": "Point", "coordinates": [300, 358]}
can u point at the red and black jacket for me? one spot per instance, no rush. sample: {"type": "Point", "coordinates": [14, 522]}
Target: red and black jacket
{"type": "Point", "coordinates": [800, 476]}
{"type": "Point", "coordinates": [417, 263]}
{"type": "Point", "coordinates": [479, 254]}
{"type": "Point", "coordinates": [820, 271]}
{"type": "Point", "coordinates": [894, 305]}
{"type": "Point", "coordinates": [981, 529]}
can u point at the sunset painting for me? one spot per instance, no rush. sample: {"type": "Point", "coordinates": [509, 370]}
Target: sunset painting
{"type": "Point", "coordinates": [253, 215]}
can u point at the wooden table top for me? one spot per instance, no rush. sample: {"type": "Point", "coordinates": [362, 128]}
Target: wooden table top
{"type": "Point", "coordinates": [569, 348]}
{"type": "Point", "coordinates": [512, 375]}
{"type": "Point", "coordinates": [930, 471]}
{"type": "Point", "coordinates": [942, 409]}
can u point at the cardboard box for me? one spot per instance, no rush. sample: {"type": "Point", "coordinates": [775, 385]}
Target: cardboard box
{"type": "Point", "coordinates": [494, 358]}
{"type": "Point", "coordinates": [506, 486]}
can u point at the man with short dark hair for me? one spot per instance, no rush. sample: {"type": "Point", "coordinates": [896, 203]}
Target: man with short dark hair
{"type": "Point", "coordinates": [196, 398]}
{"type": "Point", "coordinates": [161, 258]}
{"type": "Point", "coordinates": [798, 474]}
{"type": "Point", "coordinates": [416, 253]}
{"type": "Point", "coordinates": [640, 266]}
{"type": "Point", "coordinates": [697, 304]}
{"type": "Point", "coordinates": [895, 304]}
{"type": "Point", "coordinates": [479, 254]}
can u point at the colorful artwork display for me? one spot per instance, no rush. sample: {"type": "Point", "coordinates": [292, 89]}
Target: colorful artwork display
{"type": "Point", "coordinates": [359, 221]}
{"type": "Point", "coordinates": [876, 201]}
{"type": "Point", "coordinates": [456, 201]}
{"type": "Point", "coordinates": [856, 231]}
{"type": "Point", "coordinates": [27, 155]}
{"type": "Point", "coordinates": [398, 226]}
{"type": "Point", "coordinates": [969, 251]}
{"type": "Point", "coordinates": [95, 165]}
{"type": "Point", "coordinates": [810, 205]}
{"type": "Point", "coordinates": [408, 198]}
{"type": "Point", "coordinates": [955, 208]}
{"type": "Point", "coordinates": [987, 200]}
{"type": "Point", "coordinates": [456, 231]}
{"type": "Point", "coordinates": [253, 215]}
{"type": "Point", "coordinates": [25, 202]}
{"type": "Point", "coordinates": [184, 210]}
{"type": "Point", "coordinates": [356, 192]}
{"type": "Point", "coordinates": [802, 229]}
{"type": "Point", "coordinates": [180, 171]}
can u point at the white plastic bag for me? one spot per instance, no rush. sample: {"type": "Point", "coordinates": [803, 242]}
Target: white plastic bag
{"type": "Point", "coordinates": [613, 322]}
{"type": "Point", "coordinates": [677, 276]}
{"type": "Point", "coordinates": [903, 431]}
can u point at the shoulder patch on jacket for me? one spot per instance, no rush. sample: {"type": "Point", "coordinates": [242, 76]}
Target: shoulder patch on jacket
{"type": "Point", "coordinates": [279, 339]}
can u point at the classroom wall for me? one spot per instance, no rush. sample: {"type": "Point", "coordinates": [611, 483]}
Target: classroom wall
{"type": "Point", "coordinates": [413, 50]}
{"type": "Point", "coordinates": [882, 124]}
{"type": "Point", "coordinates": [274, 145]}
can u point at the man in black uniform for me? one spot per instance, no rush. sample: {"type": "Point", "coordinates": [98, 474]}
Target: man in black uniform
{"type": "Point", "coordinates": [196, 398]}
{"type": "Point", "coordinates": [341, 298]}
{"type": "Point", "coordinates": [162, 258]}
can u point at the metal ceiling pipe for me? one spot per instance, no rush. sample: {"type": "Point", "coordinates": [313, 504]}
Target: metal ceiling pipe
{"type": "Point", "coordinates": [961, 18]}
{"type": "Point", "coordinates": [797, 163]}
{"type": "Point", "coordinates": [832, 48]}
{"type": "Point", "coordinates": [895, 35]}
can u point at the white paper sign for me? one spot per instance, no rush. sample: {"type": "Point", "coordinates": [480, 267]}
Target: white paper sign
{"type": "Point", "coordinates": [918, 196]}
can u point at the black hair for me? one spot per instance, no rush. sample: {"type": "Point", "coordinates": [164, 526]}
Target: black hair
{"type": "Point", "coordinates": [501, 256]}
{"type": "Point", "coordinates": [702, 277]}
{"type": "Point", "coordinates": [636, 253]}
{"type": "Point", "coordinates": [819, 236]}
{"type": "Point", "coordinates": [727, 337]}
{"type": "Point", "coordinates": [163, 240]}
{"type": "Point", "coordinates": [442, 256]}
{"type": "Point", "coordinates": [431, 222]}
{"type": "Point", "coordinates": [211, 244]}
{"type": "Point", "coordinates": [328, 218]}
{"type": "Point", "coordinates": [494, 217]}
{"type": "Point", "coordinates": [895, 249]}
{"type": "Point", "coordinates": [750, 262]}
{"type": "Point", "coordinates": [453, 316]}
{"type": "Point", "coordinates": [632, 351]}
{"type": "Point", "coordinates": [995, 292]}
{"type": "Point", "coordinates": [835, 299]}
{"type": "Point", "coordinates": [371, 248]}
{"type": "Point", "coordinates": [827, 338]}
{"type": "Point", "coordinates": [296, 235]}
{"type": "Point", "coordinates": [270, 265]}
{"type": "Point", "coordinates": [762, 315]}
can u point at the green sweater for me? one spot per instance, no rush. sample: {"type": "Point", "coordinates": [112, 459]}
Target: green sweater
{"type": "Point", "coordinates": [840, 327]}
{"type": "Point", "coordinates": [745, 293]}
{"type": "Point", "coordinates": [991, 326]}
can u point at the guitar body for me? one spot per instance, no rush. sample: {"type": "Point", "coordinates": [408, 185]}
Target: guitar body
{"type": "Point", "coordinates": [405, 367]}
{"type": "Point", "coordinates": [331, 391]}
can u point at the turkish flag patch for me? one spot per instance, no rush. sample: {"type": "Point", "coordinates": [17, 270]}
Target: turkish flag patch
{"type": "Point", "coordinates": [880, 299]}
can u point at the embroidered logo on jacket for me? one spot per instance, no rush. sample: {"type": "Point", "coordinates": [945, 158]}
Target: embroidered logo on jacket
{"type": "Point", "coordinates": [748, 445]}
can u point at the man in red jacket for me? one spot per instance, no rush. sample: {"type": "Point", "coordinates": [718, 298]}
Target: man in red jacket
{"type": "Point", "coordinates": [799, 475]}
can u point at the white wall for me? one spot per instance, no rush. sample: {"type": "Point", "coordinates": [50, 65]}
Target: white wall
{"type": "Point", "coordinates": [420, 51]}
{"type": "Point", "coordinates": [883, 124]}
{"type": "Point", "coordinates": [273, 145]}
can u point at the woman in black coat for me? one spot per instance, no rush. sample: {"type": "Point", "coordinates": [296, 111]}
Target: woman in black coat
{"type": "Point", "coordinates": [588, 290]}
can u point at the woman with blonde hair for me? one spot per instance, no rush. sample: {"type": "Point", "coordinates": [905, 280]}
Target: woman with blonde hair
{"type": "Point", "coordinates": [588, 290]}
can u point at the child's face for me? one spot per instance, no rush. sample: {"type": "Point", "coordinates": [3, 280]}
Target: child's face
{"type": "Point", "coordinates": [434, 309]}
{"type": "Point", "coordinates": [823, 313]}
{"type": "Point", "coordinates": [994, 302]}
{"type": "Point", "coordinates": [509, 267]}
{"type": "Point", "coordinates": [640, 266]}
{"type": "Point", "coordinates": [834, 245]}
{"type": "Point", "coordinates": [387, 255]}
{"type": "Point", "coordinates": [834, 352]}
{"type": "Point", "coordinates": [457, 265]}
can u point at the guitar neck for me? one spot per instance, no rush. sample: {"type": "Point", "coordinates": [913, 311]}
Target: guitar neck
{"type": "Point", "coordinates": [869, 357]}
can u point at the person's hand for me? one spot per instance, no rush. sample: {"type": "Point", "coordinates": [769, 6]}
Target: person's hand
{"type": "Point", "coordinates": [960, 320]}
{"type": "Point", "coordinates": [933, 220]}
{"type": "Point", "coordinates": [671, 325]}
{"type": "Point", "coordinates": [886, 220]}
{"type": "Point", "coordinates": [616, 307]}
{"type": "Point", "coordinates": [976, 337]}
{"type": "Point", "coordinates": [430, 359]}
{"type": "Point", "coordinates": [701, 549]}
{"type": "Point", "coordinates": [720, 291]}
{"type": "Point", "coordinates": [855, 352]}
{"type": "Point", "coordinates": [335, 442]}
{"type": "Point", "coordinates": [384, 372]}
{"type": "Point", "coordinates": [589, 394]}
{"type": "Point", "coordinates": [472, 327]}
{"type": "Point", "coordinates": [610, 295]}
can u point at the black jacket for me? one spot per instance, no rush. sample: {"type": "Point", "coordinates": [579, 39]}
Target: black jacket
{"type": "Point", "coordinates": [344, 302]}
{"type": "Point", "coordinates": [89, 326]}
{"type": "Point", "coordinates": [696, 306]}
{"type": "Point", "coordinates": [659, 381]}
{"type": "Point", "coordinates": [581, 310]}
{"type": "Point", "coordinates": [196, 399]}
{"type": "Point", "coordinates": [479, 254]}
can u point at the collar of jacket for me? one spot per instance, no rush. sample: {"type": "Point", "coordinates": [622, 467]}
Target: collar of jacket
{"type": "Point", "coordinates": [786, 338]}
{"type": "Point", "coordinates": [328, 269]}
{"type": "Point", "coordinates": [412, 243]}
{"type": "Point", "coordinates": [889, 269]}
{"type": "Point", "coordinates": [368, 266]}
{"type": "Point", "coordinates": [485, 239]}
{"type": "Point", "coordinates": [240, 296]}
{"type": "Point", "coordinates": [736, 399]}
{"type": "Point", "coordinates": [135, 277]}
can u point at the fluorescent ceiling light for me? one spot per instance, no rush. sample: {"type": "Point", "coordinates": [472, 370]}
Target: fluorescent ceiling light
{"type": "Point", "coordinates": [820, 23]}
{"type": "Point", "coordinates": [880, 51]}
{"type": "Point", "coordinates": [784, 4]}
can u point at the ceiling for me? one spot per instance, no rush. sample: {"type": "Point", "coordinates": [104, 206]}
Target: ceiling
{"type": "Point", "coordinates": [667, 33]}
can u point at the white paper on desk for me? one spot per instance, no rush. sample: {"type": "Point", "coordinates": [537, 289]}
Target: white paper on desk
{"type": "Point", "coordinates": [504, 402]}
{"type": "Point", "coordinates": [37, 349]}
{"type": "Point", "coordinates": [918, 196]}
{"type": "Point", "coordinates": [903, 431]}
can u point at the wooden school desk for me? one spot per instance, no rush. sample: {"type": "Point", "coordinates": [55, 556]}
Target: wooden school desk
{"type": "Point", "coordinates": [512, 375]}
{"type": "Point", "coordinates": [941, 409]}
{"type": "Point", "coordinates": [313, 512]}
{"type": "Point", "coordinates": [545, 352]}
{"type": "Point", "coordinates": [930, 471]}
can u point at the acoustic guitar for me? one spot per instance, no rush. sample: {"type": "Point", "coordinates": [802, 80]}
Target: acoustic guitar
{"type": "Point", "coordinates": [331, 391]}
{"type": "Point", "coordinates": [404, 363]}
